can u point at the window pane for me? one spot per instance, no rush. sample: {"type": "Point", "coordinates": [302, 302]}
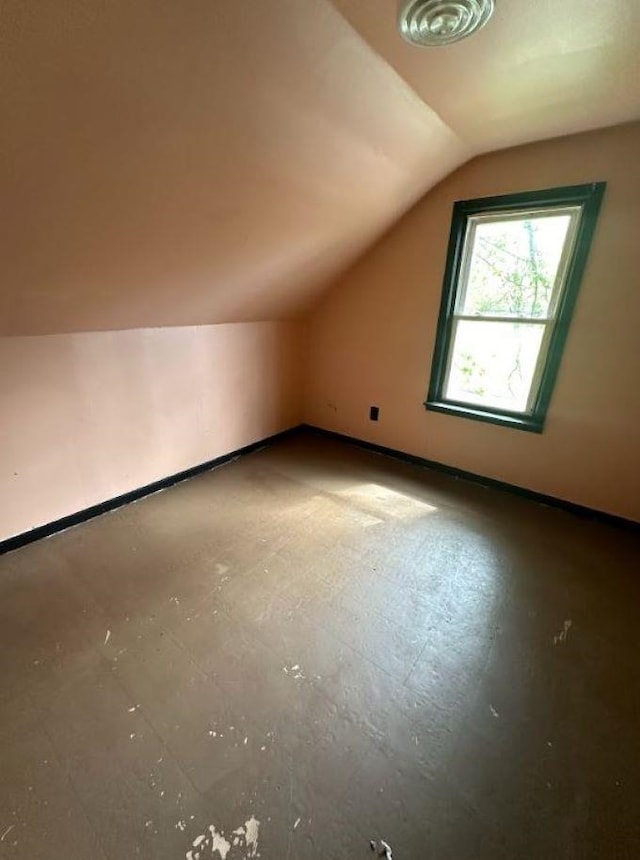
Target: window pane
{"type": "Point", "coordinates": [514, 264]}
{"type": "Point", "coordinates": [493, 363]}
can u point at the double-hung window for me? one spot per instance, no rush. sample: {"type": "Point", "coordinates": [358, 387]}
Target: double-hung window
{"type": "Point", "coordinates": [513, 271]}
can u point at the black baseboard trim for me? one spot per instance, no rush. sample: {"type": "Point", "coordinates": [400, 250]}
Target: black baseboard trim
{"type": "Point", "coordinates": [49, 529]}
{"type": "Point", "coordinates": [75, 519]}
{"type": "Point", "coordinates": [531, 495]}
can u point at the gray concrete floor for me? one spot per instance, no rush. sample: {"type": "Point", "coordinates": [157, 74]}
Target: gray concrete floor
{"type": "Point", "coordinates": [332, 644]}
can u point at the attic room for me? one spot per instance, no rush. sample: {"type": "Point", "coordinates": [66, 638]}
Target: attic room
{"type": "Point", "coordinates": [319, 408]}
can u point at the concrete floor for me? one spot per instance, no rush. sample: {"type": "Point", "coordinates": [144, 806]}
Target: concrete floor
{"type": "Point", "coordinates": [332, 644]}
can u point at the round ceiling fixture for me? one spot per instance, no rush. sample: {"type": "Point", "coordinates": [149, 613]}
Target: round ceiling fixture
{"type": "Point", "coordinates": [429, 23]}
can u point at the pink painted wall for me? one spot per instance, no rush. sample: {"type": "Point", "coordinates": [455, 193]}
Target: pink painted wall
{"type": "Point", "coordinates": [198, 162]}
{"type": "Point", "coordinates": [372, 336]}
{"type": "Point", "coordinates": [86, 417]}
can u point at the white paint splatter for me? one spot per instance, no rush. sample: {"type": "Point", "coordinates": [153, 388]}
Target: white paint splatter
{"type": "Point", "coordinates": [220, 844]}
{"type": "Point", "coordinates": [252, 827]}
{"type": "Point", "coordinates": [493, 711]}
{"type": "Point", "coordinates": [294, 669]}
{"type": "Point", "coordinates": [245, 741]}
{"type": "Point", "coordinates": [386, 850]}
{"type": "Point", "coordinates": [217, 842]}
{"type": "Point", "coordinates": [134, 708]}
{"type": "Point", "coordinates": [297, 821]}
{"type": "Point", "coordinates": [562, 636]}
{"type": "Point", "coordinates": [107, 637]}
{"type": "Point", "coordinates": [7, 832]}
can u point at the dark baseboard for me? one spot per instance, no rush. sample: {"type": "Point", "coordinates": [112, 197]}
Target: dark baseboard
{"type": "Point", "coordinates": [111, 504]}
{"type": "Point", "coordinates": [541, 498]}
{"type": "Point", "coordinates": [75, 519]}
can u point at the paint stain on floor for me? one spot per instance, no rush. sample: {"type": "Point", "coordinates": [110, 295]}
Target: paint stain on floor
{"type": "Point", "coordinates": [313, 645]}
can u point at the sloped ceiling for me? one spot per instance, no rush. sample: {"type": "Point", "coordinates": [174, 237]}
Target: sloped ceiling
{"type": "Point", "coordinates": [539, 69]}
{"type": "Point", "coordinates": [201, 161]}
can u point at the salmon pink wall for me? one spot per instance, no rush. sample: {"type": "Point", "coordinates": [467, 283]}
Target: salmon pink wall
{"type": "Point", "coordinates": [372, 336]}
{"type": "Point", "coordinates": [86, 417]}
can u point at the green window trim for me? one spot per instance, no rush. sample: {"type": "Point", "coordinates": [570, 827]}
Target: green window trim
{"type": "Point", "coordinates": [588, 198]}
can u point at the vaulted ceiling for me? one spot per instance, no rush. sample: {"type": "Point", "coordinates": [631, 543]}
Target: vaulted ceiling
{"type": "Point", "coordinates": [174, 162]}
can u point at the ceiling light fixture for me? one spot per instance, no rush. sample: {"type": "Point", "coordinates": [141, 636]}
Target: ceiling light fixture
{"type": "Point", "coordinates": [429, 23]}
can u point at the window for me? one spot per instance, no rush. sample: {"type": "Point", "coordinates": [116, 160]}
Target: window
{"type": "Point", "coordinates": [513, 271]}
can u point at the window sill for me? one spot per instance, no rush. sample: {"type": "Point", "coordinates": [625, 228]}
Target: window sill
{"type": "Point", "coordinates": [505, 419]}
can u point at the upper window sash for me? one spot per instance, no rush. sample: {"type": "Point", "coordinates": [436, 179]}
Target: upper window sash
{"type": "Point", "coordinates": [473, 221]}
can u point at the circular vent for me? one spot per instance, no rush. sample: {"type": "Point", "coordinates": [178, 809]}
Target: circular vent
{"type": "Point", "coordinates": [441, 22]}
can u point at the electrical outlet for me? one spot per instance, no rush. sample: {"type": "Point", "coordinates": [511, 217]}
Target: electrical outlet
{"type": "Point", "coordinates": [374, 412]}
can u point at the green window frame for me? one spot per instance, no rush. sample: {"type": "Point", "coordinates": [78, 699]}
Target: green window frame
{"type": "Point", "coordinates": [581, 203]}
